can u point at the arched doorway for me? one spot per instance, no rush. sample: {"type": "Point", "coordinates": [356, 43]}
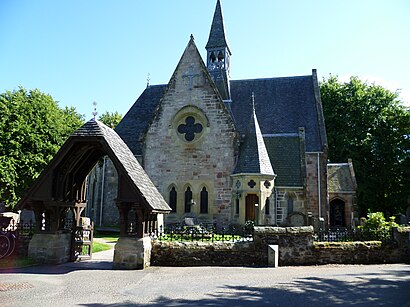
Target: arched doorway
{"type": "Point", "coordinates": [337, 213]}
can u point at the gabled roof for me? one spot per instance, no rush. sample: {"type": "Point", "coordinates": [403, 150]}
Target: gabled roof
{"type": "Point", "coordinates": [253, 156]}
{"type": "Point", "coordinates": [95, 139]}
{"type": "Point", "coordinates": [284, 105]}
{"type": "Point", "coordinates": [217, 37]}
{"type": "Point", "coordinates": [341, 177]}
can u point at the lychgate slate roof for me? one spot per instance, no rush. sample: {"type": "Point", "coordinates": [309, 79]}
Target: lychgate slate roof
{"type": "Point", "coordinates": [253, 158]}
{"type": "Point", "coordinates": [128, 161]}
{"type": "Point", "coordinates": [96, 139]}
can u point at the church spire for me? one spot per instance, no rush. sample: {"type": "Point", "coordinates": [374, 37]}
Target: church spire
{"type": "Point", "coordinates": [218, 54]}
{"type": "Point", "coordinates": [217, 37]}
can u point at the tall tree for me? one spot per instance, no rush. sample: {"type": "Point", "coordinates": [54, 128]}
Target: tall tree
{"type": "Point", "coordinates": [32, 129]}
{"type": "Point", "coordinates": [111, 119]}
{"type": "Point", "coordinates": [369, 124]}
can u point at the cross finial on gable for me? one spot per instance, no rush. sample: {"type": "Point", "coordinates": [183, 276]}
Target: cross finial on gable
{"type": "Point", "coordinates": [94, 113]}
{"type": "Point", "coordinates": [148, 79]}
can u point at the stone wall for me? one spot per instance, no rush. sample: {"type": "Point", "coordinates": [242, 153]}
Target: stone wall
{"type": "Point", "coordinates": [296, 247]}
{"type": "Point", "coordinates": [205, 254]}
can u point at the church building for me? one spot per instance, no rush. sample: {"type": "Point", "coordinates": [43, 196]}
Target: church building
{"type": "Point", "coordinates": [227, 151]}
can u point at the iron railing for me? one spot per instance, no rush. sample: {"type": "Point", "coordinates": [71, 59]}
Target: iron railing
{"type": "Point", "coordinates": [350, 235]}
{"type": "Point", "coordinates": [203, 233]}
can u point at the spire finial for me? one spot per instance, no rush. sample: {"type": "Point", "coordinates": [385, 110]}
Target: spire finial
{"type": "Point", "coordinates": [148, 79]}
{"type": "Point", "coordinates": [94, 113]}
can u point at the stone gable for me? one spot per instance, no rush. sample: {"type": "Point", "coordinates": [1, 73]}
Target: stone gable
{"type": "Point", "coordinates": [192, 141]}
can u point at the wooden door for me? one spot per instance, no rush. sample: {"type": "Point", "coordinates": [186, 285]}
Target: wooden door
{"type": "Point", "coordinates": [251, 200]}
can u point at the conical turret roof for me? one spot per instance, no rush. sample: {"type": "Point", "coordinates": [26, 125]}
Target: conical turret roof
{"type": "Point", "coordinates": [253, 157]}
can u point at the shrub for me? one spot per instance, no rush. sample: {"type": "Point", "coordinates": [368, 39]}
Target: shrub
{"type": "Point", "coordinates": [376, 225]}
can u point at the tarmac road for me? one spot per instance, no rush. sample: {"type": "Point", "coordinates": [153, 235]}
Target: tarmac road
{"type": "Point", "coordinates": [93, 283]}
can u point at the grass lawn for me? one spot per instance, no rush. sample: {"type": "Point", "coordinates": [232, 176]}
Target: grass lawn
{"type": "Point", "coordinates": [109, 238]}
{"type": "Point", "coordinates": [99, 247]}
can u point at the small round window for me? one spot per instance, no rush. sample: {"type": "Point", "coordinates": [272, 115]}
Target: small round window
{"type": "Point", "coordinates": [190, 129]}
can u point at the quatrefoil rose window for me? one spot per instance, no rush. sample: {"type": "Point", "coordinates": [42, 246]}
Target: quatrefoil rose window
{"type": "Point", "coordinates": [190, 129]}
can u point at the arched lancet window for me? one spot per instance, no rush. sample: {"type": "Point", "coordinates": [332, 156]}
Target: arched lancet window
{"type": "Point", "coordinates": [188, 199]}
{"type": "Point", "coordinates": [237, 206]}
{"type": "Point", "coordinates": [290, 205]}
{"type": "Point", "coordinates": [220, 57]}
{"type": "Point", "coordinates": [212, 57]}
{"type": "Point", "coordinates": [173, 199]}
{"type": "Point", "coordinates": [204, 201]}
{"type": "Point", "coordinates": [267, 206]}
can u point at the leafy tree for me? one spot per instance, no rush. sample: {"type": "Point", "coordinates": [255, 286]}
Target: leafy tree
{"type": "Point", "coordinates": [368, 123]}
{"type": "Point", "coordinates": [32, 129]}
{"type": "Point", "coordinates": [110, 119]}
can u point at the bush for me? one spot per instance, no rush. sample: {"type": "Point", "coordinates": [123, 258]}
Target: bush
{"type": "Point", "coordinates": [376, 225]}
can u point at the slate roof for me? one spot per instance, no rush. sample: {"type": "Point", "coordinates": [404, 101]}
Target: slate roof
{"type": "Point", "coordinates": [341, 178]}
{"type": "Point", "coordinates": [254, 157]}
{"type": "Point", "coordinates": [217, 36]}
{"type": "Point", "coordinates": [286, 158]}
{"type": "Point", "coordinates": [126, 158]}
{"type": "Point", "coordinates": [128, 161]}
{"type": "Point", "coordinates": [282, 104]}
{"type": "Point", "coordinates": [132, 127]}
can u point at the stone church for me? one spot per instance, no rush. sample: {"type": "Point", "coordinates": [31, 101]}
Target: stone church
{"type": "Point", "coordinates": [227, 151]}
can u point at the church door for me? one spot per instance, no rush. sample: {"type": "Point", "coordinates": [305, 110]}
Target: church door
{"type": "Point", "coordinates": [337, 213]}
{"type": "Point", "coordinates": [251, 200]}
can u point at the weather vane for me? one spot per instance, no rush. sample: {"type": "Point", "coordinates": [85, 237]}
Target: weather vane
{"type": "Point", "coordinates": [95, 109]}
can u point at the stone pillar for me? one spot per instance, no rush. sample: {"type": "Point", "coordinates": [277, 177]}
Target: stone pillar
{"type": "Point", "coordinates": [53, 248]}
{"type": "Point", "coordinates": [132, 253]}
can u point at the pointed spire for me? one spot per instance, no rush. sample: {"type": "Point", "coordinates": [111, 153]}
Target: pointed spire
{"type": "Point", "coordinates": [217, 37]}
{"type": "Point", "coordinates": [254, 158]}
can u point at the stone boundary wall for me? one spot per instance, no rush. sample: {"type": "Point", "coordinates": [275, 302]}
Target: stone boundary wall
{"type": "Point", "coordinates": [296, 247]}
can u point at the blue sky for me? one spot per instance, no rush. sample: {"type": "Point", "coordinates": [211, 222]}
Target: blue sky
{"type": "Point", "coordinates": [81, 51]}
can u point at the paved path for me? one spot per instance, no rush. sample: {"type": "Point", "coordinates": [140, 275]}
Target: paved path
{"type": "Point", "coordinates": [93, 283]}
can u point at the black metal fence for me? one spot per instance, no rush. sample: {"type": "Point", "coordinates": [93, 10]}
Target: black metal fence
{"type": "Point", "coordinates": [203, 233]}
{"type": "Point", "coordinates": [346, 235]}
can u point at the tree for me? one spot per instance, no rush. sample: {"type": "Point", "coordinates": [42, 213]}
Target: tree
{"type": "Point", "coordinates": [32, 129]}
{"type": "Point", "coordinates": [110, 119]}
{"type": "Point", "coordinates": [368, 123]}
